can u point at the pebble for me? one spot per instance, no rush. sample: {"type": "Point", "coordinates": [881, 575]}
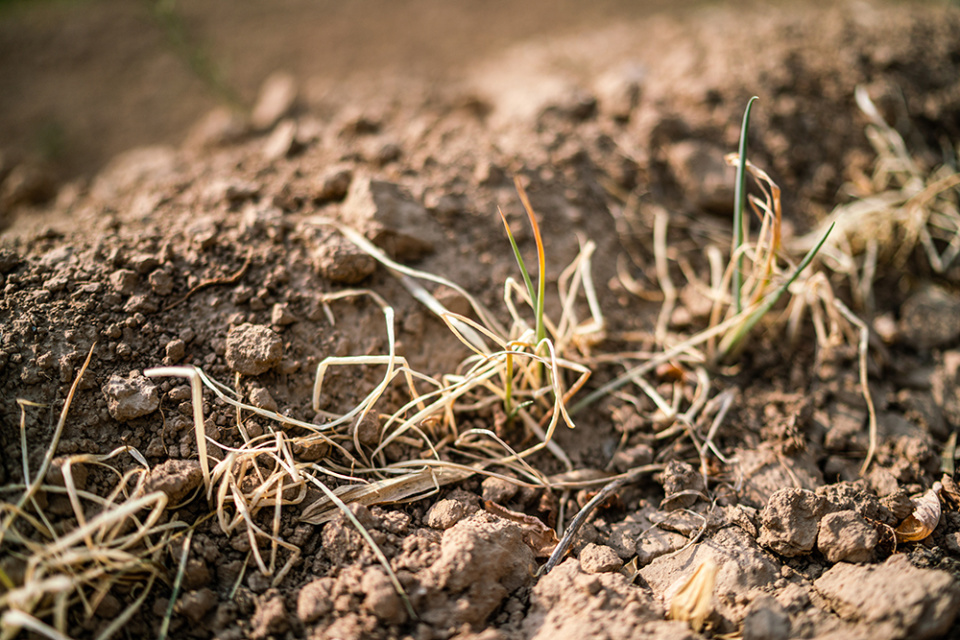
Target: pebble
{"type": "Point", "coordinates": [262, 399]}
{"type": "Point", "coordinates": [281, 316]}
{"type": "Point", "coordinates": [381, 599]}
{"type": "Point", "coordinates": [498, 490]}
{"type": "Point", "coordinates": [131, 397]}
{"type": "Point", "coordinates": [124, 281]}
{"type": "Point", "coordinates": [276, 99]}
{"type": "Point", "coordinates": [175, 350]}
{"type": "Point", "coordinates": [281, 142]}
{"type": "Point", "coordinates": [334, 184]}
{"type": "Point", "coordinates": [253, 349]}
{"type": "Point", "coordinates": [445, 513]}
{"type": "Point", "coordinates": [269, 619]}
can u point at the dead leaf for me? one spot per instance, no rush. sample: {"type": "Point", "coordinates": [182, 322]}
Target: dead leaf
{"type": "Point", "coordinates": [538, 536]}
{"type": "Point", "coordinates": [693, 601]}
{"type": "Point", "coordinates": [925, 517]}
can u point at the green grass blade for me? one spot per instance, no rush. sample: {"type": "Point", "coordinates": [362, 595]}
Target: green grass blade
{"type": "Point", "coordinates": [738, 206]}
{"type": "Point", "coordinates": [541, 259]}
{"type": "Point", "coordinates": [731, 340]}
{"type": "Point", "coordinates": [519, 257]}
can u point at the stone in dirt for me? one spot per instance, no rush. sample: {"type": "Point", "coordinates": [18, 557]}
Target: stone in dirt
{"type": "Point", "coordinates": [381, 598]}
{"type": "Point", "coordinates": [131, 397]}
{"type": "Point", "coordinates": [253, 349]}
{"type": "Point", "coordinates": [390, 218]}
{"type": "Point", "coordinates": [789, 522]}
{"type": "Point", "coordinates": [483, 559]}
{"type": "Point", "coordinates": [176, 478]}
{"type": "Point", "coordinates": [895, 599]}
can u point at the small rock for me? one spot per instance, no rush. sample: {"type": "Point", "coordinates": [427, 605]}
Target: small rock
{"type": "Point", "coordinates": [143, 263]}
{"type": "Point", "coordinates": [334, 185]}
{"type": "Point", "coordinates": [276, 99]}
{"type": "Point", "coordinates": [390, 218]}
{"type": "Point", "coordinates": [262, 399]}
{"type": "Point", "coordinates": [846, 536]}
{"type": "Point", "coordinates": [281, 142]}
{"type": "Point", "coordinates": [595, 558]}
{"type": "Point", "coordinates": [930, 318]}
{"type": "Point", "coordinates": [788, 524]}
{"type": "Point", "coordinates": [124, 281]}
{"type": "Point", "coordinates": [253, 349]}
{"type": "Point", "coordinates": [366, 430]}
{"type": "Point", "coordinates": [894, 599]}
{"type": "Point", "coordinates": [220, 126]}
{"type": "Point", "coordinates": [194, 605]}
{"type": "Point", "coordinates": [140, 303]}
{"type": "Point", "coordinates": [175, 350]}
{"type": "Point", "coordinates": [161, 282]}
{"type": "Point", "coordinates": [132, 397]}
{"type": "Point", "coordinates": [281, 316]}
{"type": "Point", "coordinates": [702, 175]}
{"type": "Point", "coordinates": [269, 619]}
{"type": "Point", "coordinates": [766, 620]}
{"type": "Point", "coordinates": [498, 490]}
{"type": "Point", "coordinates": [176, 478]}
{"type": "Point", "coordinates": [681, 484]}
{"type": "Point", "coordinates": [313, 601]}
{"type": "Point", "coordinates": [342, 262]}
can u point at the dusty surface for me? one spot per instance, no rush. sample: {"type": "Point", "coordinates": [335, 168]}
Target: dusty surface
{"type": "Point", "coordinates": [211, 254]}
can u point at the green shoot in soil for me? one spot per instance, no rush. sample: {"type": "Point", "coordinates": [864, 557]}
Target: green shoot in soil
{"type": "Point", "coordinates": [738, 205]}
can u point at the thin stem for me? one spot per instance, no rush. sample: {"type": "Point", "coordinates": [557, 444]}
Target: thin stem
{"type": "Point", "coordinates": [738, 205]}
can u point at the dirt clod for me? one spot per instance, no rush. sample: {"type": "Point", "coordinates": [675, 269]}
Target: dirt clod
{"type": "Point", "coordinates": [845, 536]}
{"type": "Point", "coordinates": [130, 397]}
{"type": "Point", "coordinates": [253, 349]}
{"type": "Point", "coordinates": [931, 318]}
{"type": "Point", "coordinates": [595, 558]}
{"type": "Point", "coordinates": [789, 522]}
{"type": "Point", "coordinates": [390, 217]}
{"type": "Point", "coordinates": [176, 478]}
{"type": "Point", "coordinates": [895, 598]}
{"type": "Point", "coordinates": [313, 601]}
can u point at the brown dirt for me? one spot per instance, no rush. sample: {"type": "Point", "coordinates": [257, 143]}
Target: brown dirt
{"type": "Point", "coordinates": [206, 253]}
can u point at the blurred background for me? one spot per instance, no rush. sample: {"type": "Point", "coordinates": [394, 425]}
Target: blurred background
{"type": "Point", "coordinates": [83, 80]}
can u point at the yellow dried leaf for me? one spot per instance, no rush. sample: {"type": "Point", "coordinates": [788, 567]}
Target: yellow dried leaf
{"type": "Point", "coordinates": [693, 601]}
{"type": "Point", "coordinates": [925, 516]}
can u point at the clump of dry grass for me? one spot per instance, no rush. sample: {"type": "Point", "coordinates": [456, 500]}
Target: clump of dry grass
{"type": "Point", "coordinates": [901, 207]}
{"type": "Point", "coordinates": [115, 542]}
